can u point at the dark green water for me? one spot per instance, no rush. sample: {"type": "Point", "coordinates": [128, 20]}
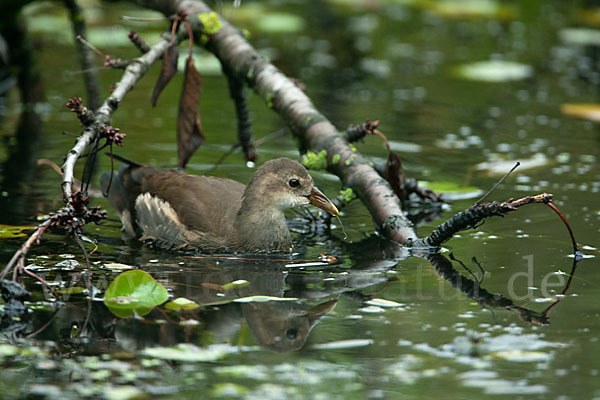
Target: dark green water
{"type": "Point", "coordinates": [441, 337]}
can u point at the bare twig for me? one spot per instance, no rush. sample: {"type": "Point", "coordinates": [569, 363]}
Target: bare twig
{"type": "Point", "coordinates": [497, 183]}
{"type": "Point", "coordinates": [475, 214]}
{"type": "Point", "coordinates": [19, 257]}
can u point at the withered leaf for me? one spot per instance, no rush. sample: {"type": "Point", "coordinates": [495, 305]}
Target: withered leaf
{"type": "Point", "coordinates": [167, 71]}
{"type": "Point", "coordinates": [189, 128]}
{"type": "Point", "coordinates": [394, 174]}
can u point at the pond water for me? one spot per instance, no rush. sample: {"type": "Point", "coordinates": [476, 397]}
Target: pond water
{"type": "Point", "coordinates": [463, 89]}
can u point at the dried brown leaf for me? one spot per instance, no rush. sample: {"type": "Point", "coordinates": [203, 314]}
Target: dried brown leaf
{"type": "Point", "coordinates": [394, 174]}
{"type": "Point", "coordinates": [189, 127]}
{"type": "Point", "coordinates": [167, 71]}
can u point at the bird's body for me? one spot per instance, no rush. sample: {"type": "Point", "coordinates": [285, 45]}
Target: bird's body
{"type": "Point", "coordinates": [209, 214]}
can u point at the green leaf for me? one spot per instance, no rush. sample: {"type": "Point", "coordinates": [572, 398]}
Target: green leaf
{"type": "Point", "coordinates": [134, 292]}
{"type": "Point", "coordinates": [10, 231]}
{"type": "Point", "coordinates": [453, 191]}
{"type": "Point", "coordinates": [494, 71]}
{"type": "Point", "coordinates": [117, 266]}
{"type": "Point", "coordinates": [280, 22]}
{"type": "Point", "coordinates": [262, 299]}
{"type": "Point", "coordinates": [72, 290]}
{"type": "Point", "coordinates": [181, 304]}
{"type": "Point", "coordinates": [190, 353]}
{"type": "Point", "coordinates": [235, 284]}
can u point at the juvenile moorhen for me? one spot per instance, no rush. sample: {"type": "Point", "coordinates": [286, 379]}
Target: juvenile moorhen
{"type": "Point", "coordinates": [209, 214]}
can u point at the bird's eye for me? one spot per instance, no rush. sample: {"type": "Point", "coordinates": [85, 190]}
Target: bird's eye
{"type": "Point", "coordinates": [291, 333]}
{"type": "Point", "coordinates": [294, 183]}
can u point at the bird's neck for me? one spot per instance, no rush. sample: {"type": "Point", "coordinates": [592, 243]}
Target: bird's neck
{"type": "Point", "coordinates": [261, 228]}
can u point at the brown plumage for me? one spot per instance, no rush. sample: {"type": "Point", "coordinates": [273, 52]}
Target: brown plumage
{"type": "Point", "coordinates": [209, 214]}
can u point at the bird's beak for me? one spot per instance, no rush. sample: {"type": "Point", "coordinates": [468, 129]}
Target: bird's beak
{"type": "Point", "coordinates": [317, 198]}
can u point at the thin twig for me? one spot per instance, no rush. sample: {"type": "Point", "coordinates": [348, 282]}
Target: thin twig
{"type": "Point", "coordinates": [42, 281]}
{"type": "Point", "coordinates": [90, 46]}
{"type": "Point", "coordinates": [497, 183]}
{"type": "Point", "coordinates": [20, 254]}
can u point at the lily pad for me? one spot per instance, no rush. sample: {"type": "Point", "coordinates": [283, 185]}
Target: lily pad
{"type": "Point", "coordinates": [280, 22]}
{"type": "Point", "coordinates": [522, 355]}
{"type": "Point", "coordinates": [72, 290]}
{"type": "Point", "coordinates": [501, 167]}
{"type": "Point", "coordinates": [383, 303]}
{"type": "Point", "coordinates": [343, 344]}
{"type": "Point", "coordinates": [235, 284]}
{"type": "Point", "coordinates": [589, 111]}
{"type": "Point", "coordinates": [134, 292]}
{"type": "Point", "coordinates": [262, 299]}
{"type": "Point", "coordinates": [190, 353]}
{"type": "Point", "coordinates": [494, 71]}
{"type": "Point", "coordinates": [580, 36]}
{"type": "Point", "coordinates": [13, 231]}
{"type": "Point", "coordinates": [181, 304]}
{"type": "Point", "coordinates": [117, 266]}
{"type": "Point", "coordinates": [471, 9]}
{"type": "Point", "coordinates": [453, 191]}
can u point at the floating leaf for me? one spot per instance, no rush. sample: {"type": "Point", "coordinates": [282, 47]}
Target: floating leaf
{"type": "Point", "coordinates": [580, 36]}
{"type": "Point", "coordinates": [452, 191]}
{"type": "Point", "coordinates": [522, 355]}
{"type": "Point", "coordinates": [383, 303]}
{"type": "Point", "coordinates": [469, 9]}
{"type": "Point", "coordinates": [501, 167]}
{"type": "Point", "coordinates": [262, 299]}
{"type": "Point", "coordinates": [235, 284]}
{"type": "Point", "coordinates": [190, 353]}
{"type": "Point", "coordinates": [72, 290]}
{"type": "Point", "coordinates": [167, 71]}
{"type": "Point", "coordinates": [280, 22]}
{"type": "Point", "coordinates": [118, 266]}
{"type": "Point", "coordinates": [343, 344]}
{"type": "Point", "coordinates": [189, 128]}
{"type": "Point", "coordinates": [13, 231]}
{"type": "Point", "coordinates": [589, 111]}
{"type": "Point", "coordinates": [494, 71]}
{"type": "Point", "coordinates": [134, 292]}
{"type": "Point", "coordinates": [181, 304]}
